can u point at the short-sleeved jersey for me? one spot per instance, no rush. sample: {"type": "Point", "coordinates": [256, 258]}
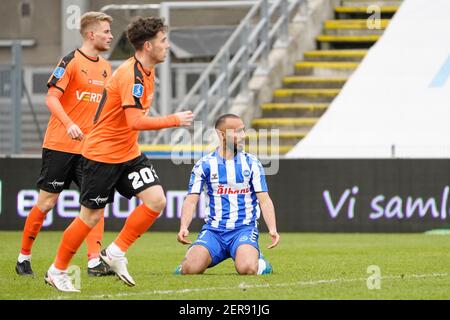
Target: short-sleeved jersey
{"type": "Point", "coordinates": [112, 140]}
{"type": "Point", "coordinates": [82, 80]}
{"type": "Point", "coordinates": [230, 187]}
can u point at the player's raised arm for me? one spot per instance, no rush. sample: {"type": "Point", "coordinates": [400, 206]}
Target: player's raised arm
{"type": "Point", "coordinates": [136, 120]}
{"type": "Point", "coordinates": [189, 206]}
{"type": "Point", "coordinates": [268, 211]}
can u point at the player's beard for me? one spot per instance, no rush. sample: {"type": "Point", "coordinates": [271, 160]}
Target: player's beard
{"type": "Point", "coordinates": [233, 146]}
{"type": "Point", "coordinates": [239, 146]}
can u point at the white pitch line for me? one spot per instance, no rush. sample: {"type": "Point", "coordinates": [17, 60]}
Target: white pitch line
{"type": "Point", "coordinates": [243, 285]}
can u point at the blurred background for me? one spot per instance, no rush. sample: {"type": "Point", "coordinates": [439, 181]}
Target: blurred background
{"type": "Point", "coordinates": [345, 101]}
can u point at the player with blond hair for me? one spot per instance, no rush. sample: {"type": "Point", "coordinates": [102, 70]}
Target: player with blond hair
{"type": "Point", "coordinates": [75, 89]}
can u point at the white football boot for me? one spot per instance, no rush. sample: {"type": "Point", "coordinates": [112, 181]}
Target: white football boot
{"type": "Point", "coordinates": [119, 266]}
{"type": "Point", "coordinates": [60, 280]}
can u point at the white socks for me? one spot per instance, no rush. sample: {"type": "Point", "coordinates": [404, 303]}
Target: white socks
{"type": "Point", "coordinates": [23, 257]}
{"type": "Point", "coordinates": [55, 271]}
{"type": "Point", "coordinates": [92, 263]}
{"type": "Point", "coordinates": [114, 251]}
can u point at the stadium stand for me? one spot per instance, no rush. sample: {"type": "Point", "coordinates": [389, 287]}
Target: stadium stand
{"type": "Point", "coordinates": [296, 106]}
{"type": "Point", "coordinates": [395, 103]}
{"type": "Point", "coordinates": [319, 77]}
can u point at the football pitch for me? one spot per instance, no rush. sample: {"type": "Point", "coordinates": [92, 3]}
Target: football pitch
{"type": "Point", "coordinates": [306, 266]}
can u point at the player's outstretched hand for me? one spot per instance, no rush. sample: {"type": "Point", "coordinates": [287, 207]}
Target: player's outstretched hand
{"type": "Point", "coordinates": [182, 236]}
{"type": "Point", "coordinates": [275, 239]}
{"type": "Point", "coordinates": [186, 118]}
{"type": "Point", "coordinates": [75, 132]}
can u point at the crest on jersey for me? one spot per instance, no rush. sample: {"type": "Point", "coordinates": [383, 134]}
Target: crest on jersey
{"type": "Point", "coordinates": [138, 90]}
{"type": "Point", "coordinates": [246, 173]}
{"type": "Point", "coordinates": [59, 72]}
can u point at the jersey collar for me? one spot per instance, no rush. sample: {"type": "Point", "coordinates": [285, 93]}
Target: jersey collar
{"type": "Point", "coordinates": [222, 160]}
{"type": "Point", "coordinates": [87, 57]}
{"type": "Point", "coordinates": [148, 74]}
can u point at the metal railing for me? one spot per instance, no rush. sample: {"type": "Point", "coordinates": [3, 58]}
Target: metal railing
{"type": "Point", "coordinates": [165, 9]}
{"type": "Point", "coordinates": [11, 81]}
{"type": "Point", "coordinates": [13, 90]}
{"type": "Point", "coordinates": [266, 22]}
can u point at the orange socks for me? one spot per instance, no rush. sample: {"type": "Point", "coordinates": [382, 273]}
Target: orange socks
{"type": "Point", "coordinates": [72, 239]}
{"type": "Point", "coordinates": [94, 239]}
{"type": "Point", "coordinates": [34, 223]}
{"type": "Point", "coordinates": [137, 223]}
{"type": "Point", "coordinates": [31, 229]}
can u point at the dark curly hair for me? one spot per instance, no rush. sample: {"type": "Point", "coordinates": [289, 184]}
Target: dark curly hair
{"type": "Point", "coordinates": [144, 29]}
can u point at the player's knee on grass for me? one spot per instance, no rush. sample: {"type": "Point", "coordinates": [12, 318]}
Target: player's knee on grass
{"type": "Point", "coordinates": [192, 267]}
{"type": "Point", "coordinates": [247, 267]}
{"type": "Point", "coordinates": [196, 261]}
{"type": "Point", "coordinates": [246, 259]}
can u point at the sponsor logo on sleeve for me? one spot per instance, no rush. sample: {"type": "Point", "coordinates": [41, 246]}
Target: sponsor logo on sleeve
{"type": "Point", "coordinates": [138, 90]}
{"type": "Point", "coordinates": [59, 72]}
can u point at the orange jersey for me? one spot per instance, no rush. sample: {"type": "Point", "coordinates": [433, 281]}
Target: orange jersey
{"type": "Point", "coordinates": [112, 140]}
{"type": "Point", "coordinates": [82, 81]}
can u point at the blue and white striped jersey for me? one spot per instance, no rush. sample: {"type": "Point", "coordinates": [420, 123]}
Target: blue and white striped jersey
{"type": "Point", "coordinates": [230, 187]}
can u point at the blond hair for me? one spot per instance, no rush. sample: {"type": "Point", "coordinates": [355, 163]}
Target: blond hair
{"type": "Point", "coordinates": [90, 18]}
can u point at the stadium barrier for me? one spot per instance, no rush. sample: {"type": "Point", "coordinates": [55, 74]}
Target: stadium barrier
{"type": "Point", "coordinates": [378, 195]}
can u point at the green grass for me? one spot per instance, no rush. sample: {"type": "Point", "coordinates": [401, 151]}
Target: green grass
{"type": "Point", "coordinates": [306, 266]}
